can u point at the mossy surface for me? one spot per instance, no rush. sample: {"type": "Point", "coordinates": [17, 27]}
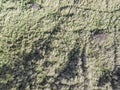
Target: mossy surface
{"type": "Point", "coordinates": [59, 44]}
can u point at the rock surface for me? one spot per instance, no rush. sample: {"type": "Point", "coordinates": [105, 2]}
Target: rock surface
{"type": "Point", "coordinates": [59, 44]}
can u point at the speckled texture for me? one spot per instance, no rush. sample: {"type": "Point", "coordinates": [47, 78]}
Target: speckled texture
{"type": "Point", "coordinates": [59, 44]}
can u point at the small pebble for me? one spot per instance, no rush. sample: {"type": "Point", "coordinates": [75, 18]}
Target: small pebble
{"type": "Point", "coordinates": [36, 6]}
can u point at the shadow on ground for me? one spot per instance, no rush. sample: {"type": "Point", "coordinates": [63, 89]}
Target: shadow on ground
{"type": "Point", "coordinates": [111, 76]}
{"type": "Point", "coordinates": [69, 71]}
{"type": "Point", "coordinates": [24, 71]}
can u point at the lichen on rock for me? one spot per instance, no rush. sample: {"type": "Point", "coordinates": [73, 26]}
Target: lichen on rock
{"type": "Point", "coordinates": [59, 44]}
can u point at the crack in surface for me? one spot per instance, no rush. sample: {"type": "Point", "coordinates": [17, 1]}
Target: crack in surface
{"type": "Point", "coordinates": [84, 67]}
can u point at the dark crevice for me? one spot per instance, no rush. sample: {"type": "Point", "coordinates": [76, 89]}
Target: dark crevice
{"type": "Point", "coordinates": [71, 66]}
{"type": "Point", "coordinates": [70, 70]}
{"type": "Point", "coordinates": [64, 7]}
{"type": "Point", "coordinates": [115, 79]}
{"type": "Point", "coordinates": [115, 48]}
{"type": "Point", "coordinates": [69, 15]}
{"type": "Point", "coordinates": [84, 67]}
{"type": "Point", "coordinates": [83, 59]}
{"type": "Point", "coordinates": [97, 31]}
{"type": "Point", "coordinates": [112, 76]}
{"type": "Point", "coordinates": [105, 78]}
{"type": "Point", "coordinates": [76, 1]}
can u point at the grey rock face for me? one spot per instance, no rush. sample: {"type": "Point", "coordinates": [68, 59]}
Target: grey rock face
{"type": "Point", "coordinates": [63, 45]}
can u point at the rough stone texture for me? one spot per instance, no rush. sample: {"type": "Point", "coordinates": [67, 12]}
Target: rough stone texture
{"type": "Point", "coordinates": [60, 45]}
